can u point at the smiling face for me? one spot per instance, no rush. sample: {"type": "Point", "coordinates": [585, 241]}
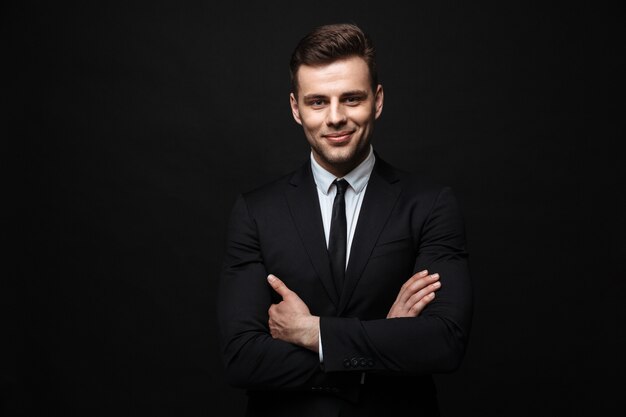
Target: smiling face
{"type": "Point", "coordinates": [337, 108]}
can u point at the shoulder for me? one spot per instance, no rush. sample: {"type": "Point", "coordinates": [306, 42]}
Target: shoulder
{"type": "Point", "coordinates": [273, 191]}
{"type": "Point", "coordinates": [428, 200]}
{"type": "Point", "coordinates": [411, 184]}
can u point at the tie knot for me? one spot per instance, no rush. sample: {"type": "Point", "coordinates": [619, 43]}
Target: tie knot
{"type": "Point", "coordinates": [342, 185]}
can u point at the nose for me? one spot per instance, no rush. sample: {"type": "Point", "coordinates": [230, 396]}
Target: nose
{"type": "Point", "coordinates": [336, 115]}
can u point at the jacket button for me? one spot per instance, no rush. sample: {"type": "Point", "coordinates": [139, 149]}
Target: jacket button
{"type": "Point", "coordinates": [354, 362]}
{"type": "Point", "coordinates": [346, 363]}
{"type": "Point", "coordinates": [362, 362]}
{"type": "Point", "coordinates": [370, 363]}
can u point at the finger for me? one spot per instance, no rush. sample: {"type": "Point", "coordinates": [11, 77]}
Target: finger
{"type": "Point", "coordinates": [421, 273]}
{"type": "Point", "coordinates": [414, 278]}
{"type": "Point", "coordinates": [408, 283]}
{"type": "Point", "coordinates": [430, 289]}
{"type": "Point", "coordinates": [418, 291]}
{"type": "Point", "coordinates": [417, 308]}
{"type": "Point", "coordinates": [416, 286]}
{"type": "Point", "coordinates": [423, 282]}
{"type": "Point", "coordinates": [278, 285]}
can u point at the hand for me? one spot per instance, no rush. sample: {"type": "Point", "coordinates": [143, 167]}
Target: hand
{"type": "Point", "coordinates": [290, 320]}
{"type": "Point", "coordinates": [414, 295]}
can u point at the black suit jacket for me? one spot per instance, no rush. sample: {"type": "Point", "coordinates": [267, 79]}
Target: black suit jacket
{"type": "Point", "coordinates": [406, 224]}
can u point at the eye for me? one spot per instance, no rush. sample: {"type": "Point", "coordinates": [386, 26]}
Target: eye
{"type": "Point", "coordinates": [316, 102]}
{"type": "Point", "coordinates": [353, 100]}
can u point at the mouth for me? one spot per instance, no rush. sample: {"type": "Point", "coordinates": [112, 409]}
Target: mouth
{"type": "Point", "coordinates": [339, 137]}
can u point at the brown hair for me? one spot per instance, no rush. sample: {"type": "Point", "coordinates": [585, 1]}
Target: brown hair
{"type": "Point", "coordinates": [329, 43]}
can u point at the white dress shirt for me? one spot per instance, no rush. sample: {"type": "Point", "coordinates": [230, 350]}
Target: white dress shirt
{"type": "Point", "coordinates": [326, 190]}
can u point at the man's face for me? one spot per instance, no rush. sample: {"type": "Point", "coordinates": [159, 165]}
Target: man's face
{"type": "Point", "coordinates": [337, 108]}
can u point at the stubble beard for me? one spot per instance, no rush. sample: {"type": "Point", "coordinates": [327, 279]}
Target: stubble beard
{"type": "Point", "coordinates": [343, 159]}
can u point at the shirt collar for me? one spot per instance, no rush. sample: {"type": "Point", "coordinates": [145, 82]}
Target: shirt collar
{"type": "Point", "coordinates": [357, 178]}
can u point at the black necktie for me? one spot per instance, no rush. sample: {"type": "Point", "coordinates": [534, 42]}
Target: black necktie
{"type": "Point", "coordinates": [337, 242]}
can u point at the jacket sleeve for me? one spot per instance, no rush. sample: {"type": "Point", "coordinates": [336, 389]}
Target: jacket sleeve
{"type": "Point", "coordinates": [435, 340]}
{"type": "Point", "coordinates": [252, 358]}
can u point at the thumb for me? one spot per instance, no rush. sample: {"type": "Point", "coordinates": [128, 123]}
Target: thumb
{"type": "Point", "coordinates": [278, 285]}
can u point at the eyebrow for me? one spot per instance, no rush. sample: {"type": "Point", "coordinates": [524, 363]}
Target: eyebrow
{"type": "Point", "coordinates": [313, 97]}
{"type": "Point", "coordinates": [354, 93]}
{"type": "Point", "coordinates": [346, 94]}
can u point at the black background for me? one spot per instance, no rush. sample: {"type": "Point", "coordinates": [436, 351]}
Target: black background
{"type": "Point", "coordinates": [131, 128]}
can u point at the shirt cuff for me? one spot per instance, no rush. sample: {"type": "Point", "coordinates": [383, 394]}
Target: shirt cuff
{"type": "Point", "coordinates": [319, 338]}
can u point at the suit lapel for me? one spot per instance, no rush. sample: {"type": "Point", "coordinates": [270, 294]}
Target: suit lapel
{"type": "Point", "coordinates": [305, 211]}
{"type": "Point", "coordinates": [380, 197]}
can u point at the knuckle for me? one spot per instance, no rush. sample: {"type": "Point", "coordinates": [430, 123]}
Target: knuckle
{"type": "Point", "coordinates": [421, 294]}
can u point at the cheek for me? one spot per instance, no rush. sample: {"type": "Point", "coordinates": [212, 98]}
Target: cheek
{"type": "Point", "coordinates": [311, 124]}
{"type": "Point", "coordinates": [363, 116]}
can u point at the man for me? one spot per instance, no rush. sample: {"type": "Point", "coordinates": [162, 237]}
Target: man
{"type": "Point", "coordinates": [343, 297]}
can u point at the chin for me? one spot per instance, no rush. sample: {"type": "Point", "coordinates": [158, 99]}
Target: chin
{"type": "Point", "coordinates": [340, 156]}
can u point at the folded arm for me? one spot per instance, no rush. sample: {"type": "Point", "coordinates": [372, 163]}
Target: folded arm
{"type": "Point", "coordinates": [252, 358]}
{"type": "Point", "coordinates": [432, 342]}
{"type": "Point", "coordinates": [259, 354]}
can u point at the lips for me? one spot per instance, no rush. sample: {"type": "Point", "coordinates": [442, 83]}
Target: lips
{"type": "Point", "coordinates": [339, 137]}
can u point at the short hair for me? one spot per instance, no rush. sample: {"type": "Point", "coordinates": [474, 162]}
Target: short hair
{"type": "Point", "coordinates": [329, 43]}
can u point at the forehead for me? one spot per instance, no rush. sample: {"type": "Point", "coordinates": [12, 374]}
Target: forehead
{"type": "Point", "coordinates": [334, 78]}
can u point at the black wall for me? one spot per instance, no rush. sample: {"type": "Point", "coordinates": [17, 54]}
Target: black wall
{"type": "Point", "coordinates": [130, 128]}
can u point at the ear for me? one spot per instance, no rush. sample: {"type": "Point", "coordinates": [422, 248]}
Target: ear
{"type": "Point", "coordinates": [295, 111]}
{"type": "Point", "coordinates": [379, 98]}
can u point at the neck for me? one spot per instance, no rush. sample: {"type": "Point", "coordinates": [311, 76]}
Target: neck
{"type": "Point", "coordinates": [341, 169]}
